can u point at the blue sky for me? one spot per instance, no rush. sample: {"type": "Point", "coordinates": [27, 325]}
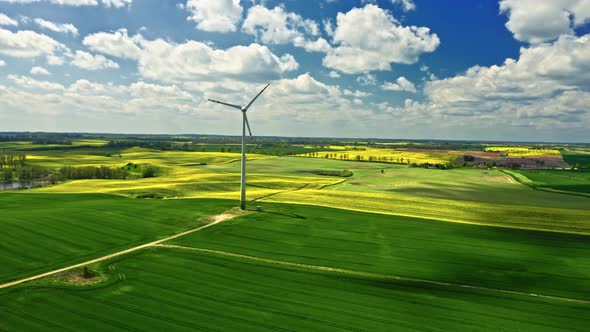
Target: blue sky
{"type": "Point", "coordinates": [480, 70]}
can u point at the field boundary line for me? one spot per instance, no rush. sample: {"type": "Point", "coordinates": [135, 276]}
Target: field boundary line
{"type": "Point", "coordinates": [216, 220]}
{"type": "Point", "coordinates": [371, 274]}
{"type": "Point", "coordinates": [544, 189]}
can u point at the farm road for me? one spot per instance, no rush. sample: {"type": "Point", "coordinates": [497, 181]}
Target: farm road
{"type": "Point", "coordinates": [373, 275]}
{"type": "Point", "coordinates": [214, 220]}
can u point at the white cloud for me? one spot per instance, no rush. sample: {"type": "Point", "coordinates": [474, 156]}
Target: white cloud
{"type": "Point", "coordinates": [27, 44]}
{"type": "Point", "coordinates": [2, 63]}
{"type": "Point", "coordinates": [88, 61]}
{"type": "Point", "coordinates": [277, 26]}
{"type": "Point", "coordinates": [371, 39]}
{"type": "Point", "coordinates": [367, 79]}
{"type": "Point", "coordinates": [55, 60]}
{"type": "Point", "coordinates": [547, 87]}
{"type": "Point", "coordinates": [164, 61]}
{"type": "Point", "coordinates": [30, 94]}
{"type": "Point", "coordinates": [319, 45]}
{"type": "Point", "coordinates": [5, 20]}
{"type": "Point", "coordinates": [334, 74]}
{"type": "Point", "coordinates": [117, 44]}
{"type": "Point", "coordinates": [536, 21]}
{"type": "Point", "coordinates": [31, 83]}
{"type": "Point", "coordinates": [63, 28]}
{"type": "Point", "coordinates": [117, 3]}
{"type": "Point", "coordinates": [218, 15]}
{"type": "Point", "coordinates": [168, 62]}
{"type": "Point", "coordinates": [39, 71]}
{"type": "Point", "coordinates": [401, 84]}
{"type": "Point", "coordinates": [407, 5]}
{"type": "Point", "coordinates": [541, 71]}
{"type": "Point", "coordinates": [328, 27]}
{"type": "Point", "coordinates": [356, 94]}
{"type": "Point", "coordinates": [78, 3]}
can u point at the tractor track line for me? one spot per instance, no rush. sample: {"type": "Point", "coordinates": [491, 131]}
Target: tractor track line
{"type": "Point", "coordinates": [373, 275]}
{"type": "Point", "coordinates": [215, 220]}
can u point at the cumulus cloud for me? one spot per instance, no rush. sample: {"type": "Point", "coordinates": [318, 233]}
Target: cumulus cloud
{"type": "Point", "coordinates": [63, 28]}
{"type": "Point", "coordinates": [334, 74]}
{"type": "Point", "coordinates": [39, 71]}
{"type": "Point", "coordinates": [78, 3]}
{"type": "Point", "coordinates": [547, 86]}
{"type": "Point", "coordinates": [28, 44]}
{"type": "Point", "coordinates": [2, 63]}
{"type": "Point", "coordinates": [277, 26]}
{"type": "Point", "coordinates": [218, 15]}
{"type": "Point", "coordinates": [166, 61]}
{"type": "Point", "coordinates": [89, 61]}
{"type": "Point", "coordinates": [31, 83]}
{"type": "Point", "coordinates": [539, 21]}
{"type": "Point", "coordinates": [401, 84]}
{"type": "Point", "coordinates": [371, 39]}
{"type": "Point", "coordinates": [5, 20]}
{"type": "Point", "coordinates": [83, 95]}
{"type": "Point", "coordinates": [117, 43]}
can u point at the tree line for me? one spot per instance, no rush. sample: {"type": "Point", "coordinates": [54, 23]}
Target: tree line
{"type": "Point", "coordinates": [91, 172]}
{"type": "Point", "coordinates": [9, 159]}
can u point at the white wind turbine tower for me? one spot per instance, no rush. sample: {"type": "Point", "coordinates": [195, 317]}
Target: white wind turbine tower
{"type": "Point", "coordinates": [245, 124]}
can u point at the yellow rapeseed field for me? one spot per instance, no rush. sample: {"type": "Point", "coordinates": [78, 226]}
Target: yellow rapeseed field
{"type": "Point", "coordinates": [386, 155]}
{"type": "Point", "coordinates": [513, 216]}
{"type": "Point", "coordinates": [523, 151]}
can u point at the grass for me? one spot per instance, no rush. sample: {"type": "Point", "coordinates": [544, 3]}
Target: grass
{"type": "Point", "coordinates": [465, 195]}
{"type": "Point", "coordinates": [169, 289]}
{"type": "Point", "coordinates": [472, 185]}
{"type": "Point", "coordinates": [45, 231]}
{"type": "Point", "coordinates": [520, 260]}
{"type": "Point", "coordinates": [106, 157]}
{"type": "Point", "coordinates": [577, 158]}
{"type": "Point", "coordinates": [512, 216]}
{"type": "Point", "coordinates": [562, 180]}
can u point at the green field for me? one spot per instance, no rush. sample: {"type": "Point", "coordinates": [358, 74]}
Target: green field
{"type": "Point", "coordinates": [41, 232]}
{"type": "Point", "coordinates": [577, 158]}
{"type": "Point", "coordinates": [390, 247]}
{"type": "Point", "coordinates": [169, 289]}
{"type": "Point", "coordinates": [571, 181]}
{"type": "Point", "coordinates": [537, 262]}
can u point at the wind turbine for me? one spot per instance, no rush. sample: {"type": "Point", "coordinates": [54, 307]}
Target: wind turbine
{"type": "Point", "coordinates": [245, 124]}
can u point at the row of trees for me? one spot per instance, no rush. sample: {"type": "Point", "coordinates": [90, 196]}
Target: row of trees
{"type": "Point", "coordinates": [91, 172]}
{"type": "Point", "coordinates": [9, 159]}
{"type": "Point", "coordinates": [346, 156]}
{"type": "Point", "coordinates": [24, 174]}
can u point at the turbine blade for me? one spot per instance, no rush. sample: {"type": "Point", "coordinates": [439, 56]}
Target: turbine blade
{"type": "Point", "coordinates": [226, 104]}
{"type": "Point", "coordinates": [258, 95]}
{"type": "Point", "coordinates": [247, 124]}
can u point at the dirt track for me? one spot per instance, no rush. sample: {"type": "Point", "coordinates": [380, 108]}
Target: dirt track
{"type": "Point", "coordinates": [213, 219]}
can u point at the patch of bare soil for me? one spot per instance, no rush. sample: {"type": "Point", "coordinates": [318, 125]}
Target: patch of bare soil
{"type": "Point", "coordinates": [78, 278]}
{"type": "Point", "coordinates": [227, 215]}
